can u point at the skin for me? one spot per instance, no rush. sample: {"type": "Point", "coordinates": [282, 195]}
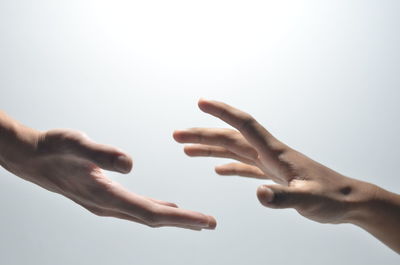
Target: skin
{"type": "Point", "coordinates": [313, 190]}
{"type": "Point", "coordinates": [69, 163]}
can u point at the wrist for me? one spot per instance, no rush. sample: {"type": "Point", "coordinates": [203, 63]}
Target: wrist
{"type": "Point", "coordinates": [371, 205]}
{"type": "Point", "coordinates": [17, 142]}
{"type": "Point", "coordinates": [380, 216]}
{"type": "Point", "coordinates": [360, 203]}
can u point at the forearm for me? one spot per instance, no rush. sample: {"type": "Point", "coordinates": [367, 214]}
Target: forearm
{"type": "Point", "coordinates": [380, 216]}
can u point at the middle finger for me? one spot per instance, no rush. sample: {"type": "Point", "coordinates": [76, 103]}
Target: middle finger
{"type": "Point", "coordinates": [227, 138]}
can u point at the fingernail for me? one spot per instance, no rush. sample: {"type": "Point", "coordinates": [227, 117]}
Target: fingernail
{"type": "Point", "coordinates": [122, 164]}
{"type": "Point", "coordinates": [204, 222]}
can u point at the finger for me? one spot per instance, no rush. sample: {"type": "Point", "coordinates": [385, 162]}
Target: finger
{"type": "Point", "coordinates": [267, 146]}
{"type": "Point", "coordinates": [200, 150]}
{"type": "Point", "coordinates": [77, 144]}
{"type": "Point", "coordinates": [107, 213]}
{"type": "Point", "coordinates": [227, 138]}
{"type": "Point", "coordinates": [106, 157]}
{"type": "Point", "coordinates": [253, 131]}
{"type": "Point", "coordinates": [167, 216]}
{"type": "Point", "coordinates": [113, 197]}
{"type": "Point", "coordinates": [152, 213]}
{"type": "Point", "coordinates": [240, 169]}
{"type": "Point", "coordinates": [279, 196]}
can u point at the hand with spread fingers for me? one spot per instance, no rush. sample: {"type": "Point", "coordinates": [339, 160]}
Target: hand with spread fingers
{"type": "Point", "coordinates": [69, 163]}
{"type": "Point", "coordinates": [312, 189]}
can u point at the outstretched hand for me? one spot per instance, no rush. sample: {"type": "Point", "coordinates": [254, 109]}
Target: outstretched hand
{"type": "Point", "coordinates": [314, 190]}
{"type": "Point", "coordinates": [69, 163]}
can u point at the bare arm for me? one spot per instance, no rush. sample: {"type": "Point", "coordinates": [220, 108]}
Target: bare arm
{"type": "Point", "coordinates": [69, 163]}
{"type": "Point", "coordinates": [315, 191]}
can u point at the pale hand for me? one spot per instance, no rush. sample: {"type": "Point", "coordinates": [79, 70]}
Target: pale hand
{"type": "Point", "coordinates": [69, 163]}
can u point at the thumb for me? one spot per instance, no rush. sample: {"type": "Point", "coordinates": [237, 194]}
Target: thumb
{"type": "Point", "coordinates": [279, 196]}
{"type": "Point", "coordinates": [106, 157]}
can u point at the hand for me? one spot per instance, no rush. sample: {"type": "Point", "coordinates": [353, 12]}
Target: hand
{"type": "Point", "coordinates": [69, 163]}
{"type": "Point", "coordinates": [314, 190]}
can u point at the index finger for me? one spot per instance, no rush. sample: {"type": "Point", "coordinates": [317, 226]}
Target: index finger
{"type": "Point", "coordinates": [253, 131]}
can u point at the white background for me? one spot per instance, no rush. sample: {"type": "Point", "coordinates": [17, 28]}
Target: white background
{"type": "Point", "coordinates": [323, 76]}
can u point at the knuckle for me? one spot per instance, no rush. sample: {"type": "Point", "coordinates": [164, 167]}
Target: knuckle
{"type": "Point", "coordinates": [223, 114]}
{"type": "Point", "coordinates": [152, 217]}
{"type": "Point", "coordinates": [200, 137]}
{"type": "Point", "coordinates": [208, 152]}
{"type": "Point", "coordinates": [289, 167]}
{"type": "Point", "coordinates": [61, 140]}
{"type": "Point", "coordinates": [247, 122]}
{"type": "Point", "coordinates": [225, 139]}
{"type": "Point", "coordinates": [279, 199]}
{"type": "Point", "coordinates": [69, 137]}
{"type": "Point", "coordinates": [283, 198]}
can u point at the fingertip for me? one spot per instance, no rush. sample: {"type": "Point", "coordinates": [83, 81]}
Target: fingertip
{"type": "Point", "coordinates": [212, 223]}
{"type": "Point", "coordinates": [203, 103]}
{"type": "Point", "coordinates": [123, 163]}
{"type": "Point", "coordinates": [177, 135]}
{"type": "Point", "coordinates": [188, 151]}
{"type": "Point", "coordinates": [219, 170]}
{"type": "Point", "coordinates": [265, 195]}
{"type": "Point", "coordinates": [223, 171]}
